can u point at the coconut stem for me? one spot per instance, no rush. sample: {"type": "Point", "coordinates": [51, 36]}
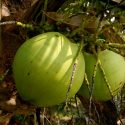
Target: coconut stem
{"type": "Point", "coordinates": [93, 82]}
{"type": "Point", "coordinates": [74, 64]}
{"type": "Point", "coordinates": [106, 80]}
{"type": "Point", "coordinates": [71, 80]}
{"type": "Point", "coordinates": [90, 101]}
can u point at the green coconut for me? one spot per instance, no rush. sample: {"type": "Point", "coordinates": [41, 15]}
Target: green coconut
{"type": "Point", "coordinates": [113, 66]}
{"type": "Point", "coordinates": [43, 67]}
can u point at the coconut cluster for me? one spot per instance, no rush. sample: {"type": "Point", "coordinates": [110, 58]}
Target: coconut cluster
{"type": "Point", "coordinates": [49, 68]}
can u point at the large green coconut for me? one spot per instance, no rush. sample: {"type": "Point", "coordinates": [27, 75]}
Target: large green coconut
{"type": "Point", "coordinates": [43, 67]}
{"type": "Point", "coordinates": [113, 70]}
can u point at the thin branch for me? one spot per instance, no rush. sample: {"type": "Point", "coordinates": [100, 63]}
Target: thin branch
{"type": "Point", "coordinates": [44, 10]}
{"type": "Point", "coordinates": [7, 22]}
{"type": "Point", "coordinates": [74, 64]}
{"type": "Point", "coordinates": [92, 87]}
{"type": "Point", "coordinates": [106, 80]}
{"type": "Point", "coordinates": [116, 45]}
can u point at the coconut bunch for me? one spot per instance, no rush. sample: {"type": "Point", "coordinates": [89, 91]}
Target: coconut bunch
{"type": "Point", "coordinates": [49, 68]}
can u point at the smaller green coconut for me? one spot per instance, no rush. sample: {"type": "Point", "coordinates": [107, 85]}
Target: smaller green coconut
{"type": "Point", "coordinates": [113, 66]}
